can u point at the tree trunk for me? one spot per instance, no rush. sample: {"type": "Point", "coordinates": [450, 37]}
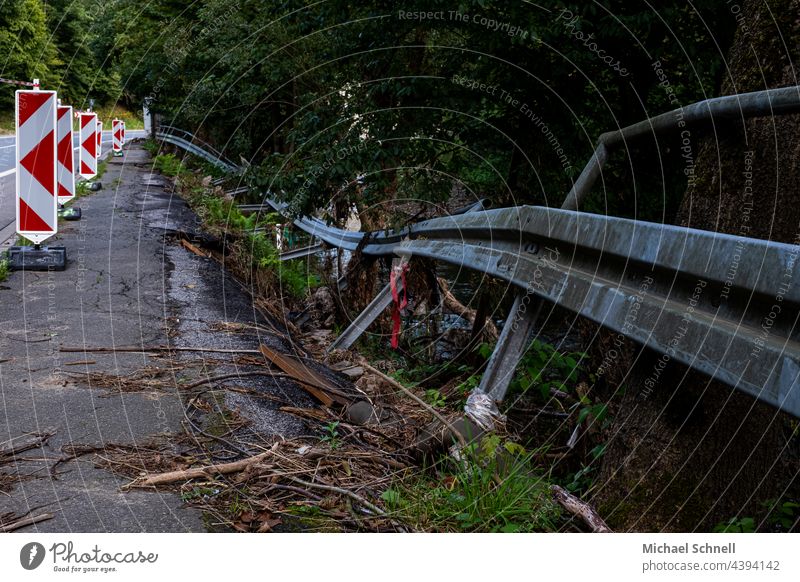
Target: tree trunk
{"type": "Point", "coordinates": [693, 452]}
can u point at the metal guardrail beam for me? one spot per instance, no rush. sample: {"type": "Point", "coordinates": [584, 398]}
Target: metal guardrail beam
{"type": "Point", "coordinates": [780, 101]}
{"type": "Point", "coordinates": [727, 306]}
{"type": "Point", "coordinates": [364, 319]}
{"type": "Point", "coordinates": [721, 304]}
{"type": "Point", "coordinates": [301, 252]}
{"type": "Point", "coordinates": [196, 150]}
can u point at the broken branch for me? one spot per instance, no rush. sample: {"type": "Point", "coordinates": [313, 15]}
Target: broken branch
{"type": "Point", "coordinates": [580, 509]}
{"type": "Point", "coordinates": [417, 399]}
{"type": "Point", "coordinates": [14, 525]}
{"type": "Point", "coordinates": [189, 474]}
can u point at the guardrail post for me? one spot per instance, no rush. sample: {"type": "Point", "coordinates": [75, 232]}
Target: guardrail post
{"type": "Point", "coordinates": [371, 312]}
{"type": "Point", "coordinates": [511, 345]}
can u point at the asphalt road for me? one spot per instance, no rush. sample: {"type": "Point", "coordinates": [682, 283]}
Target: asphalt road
{"type": "Point", "coordinates": [7, 176]}
{"type": "Point", "coordinates": [128, 283]}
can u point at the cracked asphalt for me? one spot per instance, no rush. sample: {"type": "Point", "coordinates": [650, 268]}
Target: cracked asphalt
{"type": "Point", "coordinates": [128, 283]}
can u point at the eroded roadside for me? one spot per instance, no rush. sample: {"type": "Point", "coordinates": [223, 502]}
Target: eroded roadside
{"type": "Point", "coordinates": [129, 284]}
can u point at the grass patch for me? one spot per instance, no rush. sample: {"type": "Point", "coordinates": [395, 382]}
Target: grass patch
{"type": "Point", "coordinates": [254, 245]}
{"type": "Point", "coordinates": [497, 488]}
{"type": "Point", "coordinates": [169, 165]}
{"type": "Point", "coordinates": [3, 270]}
{"type": "Point", "coordinates": [107, 113]}
{"type": "Point", "coordinates": [8, 124]}
{"type": "Point", "coordinates": [152, 147]}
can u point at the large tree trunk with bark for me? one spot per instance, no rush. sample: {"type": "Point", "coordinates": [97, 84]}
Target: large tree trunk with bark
{"type": "Point", "coordinates": [694, 452]}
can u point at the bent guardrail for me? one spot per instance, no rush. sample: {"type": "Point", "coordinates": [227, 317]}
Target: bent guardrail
{"type": "Point", "coordinates": [721, 304]}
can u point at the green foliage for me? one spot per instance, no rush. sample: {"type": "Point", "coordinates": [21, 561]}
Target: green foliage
{"type": "Point", "coordinates": [107, 113]}
{"type": "Point", "coordinates": [331, 435]}
{"type": "Point", "coordinates": [223, 215]}
{"type": "Point", "coordinates": [3, 270]}
{"type": "Point", "coordinates": [169, 165]}
{"type": "Point", "coordinates": [582, 480]}
{"type": "Point", "coordinates": [349, 102]}
{"type": "Point", "coordinates": [24, 44]}
{"type": "Point", "coordinates": [543, 367]}
{"type": "Point", "coordinates": [495, 489]}
{"type": "Point", "coordinates": [435, 398]}
{"type": "Point", "coordinates": [784, 515]}
{"type": "Point", "coordinates": [736, 525]}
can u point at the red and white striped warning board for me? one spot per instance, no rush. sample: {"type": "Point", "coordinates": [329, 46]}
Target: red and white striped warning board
{"type": "Point", "coordinates": [123, 133]}
{"type": "Point", "coordinates": [99, 139]}
{"type": "Point", "coordinates": [66, 169]}
{"type": "Point", "coordinates": [116, 135]}
{"type": "Point", "coordinates": [88, 150]}
{"type": "Point", "coordinates": [37, 207]}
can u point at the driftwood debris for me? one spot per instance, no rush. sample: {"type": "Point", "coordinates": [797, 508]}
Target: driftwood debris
{"type": "Point", "coordinates": [143, 349]}
{"type": "Point", "coordinates": [394, 383]}
{"type": "Point", "coordinates": [196, 472]}
{"type": "Point", "coordinates": [193, 248]}
{"type": "Point", "coordinates": [312, 382]}
{"type": "Point", "coordinates": [10, 448]}
{"type": "Point", "coordinates": [580, 509]}
{"type": "Point", "coordinates": [25, 521]}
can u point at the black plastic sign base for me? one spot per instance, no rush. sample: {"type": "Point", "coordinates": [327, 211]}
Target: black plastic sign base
{"type": "Point", "coordinates": [42, 259]}
{"type": "Point", "coordinates": [69, 213]}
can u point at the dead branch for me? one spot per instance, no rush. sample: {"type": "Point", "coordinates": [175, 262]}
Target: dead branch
{"type": "Point", "coordinates": [580, 509]}
{"type": "Point", "coordinates": [213, 379]}
{"type": "Point", "coordinates": [416, 399]}
{"type": "Point", "coordinates": [25, 521]}
{"type": "Point", "coordinates": [22, 443]}
{"type": "Point", "coordinates": [141, 350]}
{"type": "Point", "coordinates": [313, 383]}
{"type": "Point", "coordinates": [354, 496]}
{"type": "Point", "coordinates": [189, 474]}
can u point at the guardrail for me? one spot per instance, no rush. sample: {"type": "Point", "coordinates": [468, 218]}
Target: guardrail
{"type": "Point", "coordinates": [721, 304]}
{"type": "Point", "coordinates": [203, 150]}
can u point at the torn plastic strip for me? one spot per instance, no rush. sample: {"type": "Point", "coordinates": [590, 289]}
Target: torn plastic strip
{"type": "Point", "coordinates": [483, 411]}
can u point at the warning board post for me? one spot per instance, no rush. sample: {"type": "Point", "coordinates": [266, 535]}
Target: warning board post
{"type": "Point", "coordinates": [36, 181]}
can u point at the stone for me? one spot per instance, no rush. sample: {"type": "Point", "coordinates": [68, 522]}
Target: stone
{"type": "Point", "coordinates": [361, 413]}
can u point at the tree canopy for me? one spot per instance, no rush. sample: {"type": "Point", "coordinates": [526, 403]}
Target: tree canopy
{"type": "Point", "coordinates": [373, 101]}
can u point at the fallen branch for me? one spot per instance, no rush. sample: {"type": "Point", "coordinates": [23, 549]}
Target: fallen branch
{"type": "Point", "coordinates": [193, 248]}
{"type": "Point", "coordinates": [11, 448]}
{"type": "Point", "coordinates": [580, 509]}
{"type": "Point", "coordinates": [25, 521]}
{"type": "Point", "coordinates": [212, 379]}
{"type": "Point", "coordinates": [189, 474]}
{"type": "Point", "coordinates": [347, 492]}
{"type": "Point", "coordinates": [417, 399]}
{"type": "Point", "coordinates": [141, 350]}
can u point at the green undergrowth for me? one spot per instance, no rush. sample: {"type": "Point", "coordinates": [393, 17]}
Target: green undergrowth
{"type": "Point", "coordinates": [3, 269]}
{"type": "Point", "coordinates": [107, 113]}
{"type": "Point", "coordinates": [7, 123]}
{"type": "Point", "coordinates": [251, 236]}
{"type": "Point", "coordinates": [495, 487]}
{"type": "Point", "coordinates": [546, 378]}
{"type": "Point", "coordinates": [169, 165]}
